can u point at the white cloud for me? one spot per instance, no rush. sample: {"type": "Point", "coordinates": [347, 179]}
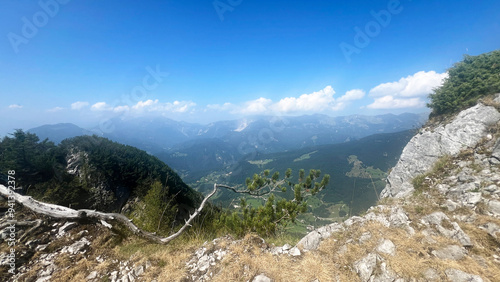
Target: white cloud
{"type": "Point", "coordinates": [419, 84]}
{"type": "Point", "coordinates": [156, 106]}
{"type": "Point", "coordinates": [258, 106]}
{"type": "Point", "coordinates": [180, 106]}
{"type": "Point", "coordinates": [389, 102]}
{"type": "Point", "coordinates": [15, 106]}
{"type": "Point", "coordinates": [121, 109]}
{"type": "Point", "coordinates": [351, 95]}
{"type": "Point", "coordinates": [147, 105]}
{"type": "Point", "coordinates": [101, 106]}
{"type": "Point", "coordinates": [319, 101]}
{"type": "Point", "coordinates": [221, 108]}
{"type": "Point", "coordinates": [316, 101]}
{"type": "Point", "coordinates": [79, 105]}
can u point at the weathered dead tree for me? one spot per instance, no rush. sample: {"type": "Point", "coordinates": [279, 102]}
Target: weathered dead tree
{"type": "Point", "coordinates": [57, 211]}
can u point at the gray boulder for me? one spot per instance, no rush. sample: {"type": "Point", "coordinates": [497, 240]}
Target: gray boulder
{"type": "Point", "coordinates": [261, 278]}
{"type": "Point", "coordinates": [424, 149]}
{"type": "Point", "coordinates": [456, 275]}
{"type": "Point", "coordinates": [452, 252]}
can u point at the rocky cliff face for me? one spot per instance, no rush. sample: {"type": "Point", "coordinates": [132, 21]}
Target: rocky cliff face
{"type": "Point", "coordinates": [106, 196]}
{"type": "Point", "coordinates": [463, 132]}
{"type": "Point", "coordinates": [447, 228]}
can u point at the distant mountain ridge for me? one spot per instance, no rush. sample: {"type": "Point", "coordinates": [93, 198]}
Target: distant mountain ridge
{"type": "Point", "coordinates": [192, 148]}
{"type": "Point", "coordinates": [164, 133]}
{"type": "Point", "coordinates": [58, 132]}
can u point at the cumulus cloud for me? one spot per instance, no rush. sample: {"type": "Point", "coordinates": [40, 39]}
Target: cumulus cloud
{"type": "Point", "coordinates": [257, 106]}
{"type": "Point", "coordinates": [180, 106]}
{"type": "Point", "coordinates": [79, 105]}
{"type": "Point", "coordinates": [319, 101]}
{"type": "Point", "coordinates": [316, 101]}
{"type": "Point", "coordinates": [15, 106]}
{"type": "Point", "coordinates": [352, 95]}
{"type": "Point", "coordinates": [119, 109]}
{"type": "Point", "coordinates": [156, 106]}
{"type": "Point", "coordinates": [419, 84]}
{"type": "Point", "coordinates": [221, 108]}
{"type": "Point", "coordinates": [148, 105]}
{"type": "Point", "coordinates": [389, 102]}
{"type": "Point", "coordinates": [101, 106]}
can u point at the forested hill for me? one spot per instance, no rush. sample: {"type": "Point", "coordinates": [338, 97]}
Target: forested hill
{"type": "Point", "coordinates": [92, 172]}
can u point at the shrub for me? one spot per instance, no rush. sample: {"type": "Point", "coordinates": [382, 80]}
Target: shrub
{"type": "Point", "coordinates": [468, 80]}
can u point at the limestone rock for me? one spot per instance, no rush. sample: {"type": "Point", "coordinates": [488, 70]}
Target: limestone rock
{"type": "Point", "coordinates": [77, 247]}
{"type": "Point", "coordinates": [294, 252]}
{"type": "Point", "coordinates": [92, 275]}
{"type": "Point", "coordinates": [456, 275]}
{"type": "Point", "coordinates": [373, 268]}
{"type": "Point", "coordinates": [366, 266]}
{"type": "Point", "coordinates": [494, 207]}
{"type": "Point", "coordinates": [424, 149]}
{"type": "Point", "coordinates": [262, 278]}
{"type": "Point", "coordinates": [452, 252]}
{"type": "Point", "coordinates": [387, 247]}
{"type": "Point", "coordinates": [492, 229]}
{"type": "Point", "coordinates": [431, 274]}
{"type": "Point", "coordinates": [312, 240]}
{"type": "Point", "coordinates": [435, 220]}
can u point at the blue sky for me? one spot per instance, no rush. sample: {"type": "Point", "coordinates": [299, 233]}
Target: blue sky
{"type": "Point", "coordinates": [204, 60]}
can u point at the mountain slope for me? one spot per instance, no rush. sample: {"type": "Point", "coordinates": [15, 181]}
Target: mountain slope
{"type": "Point", "coordinates": [58, 132]}
{"type": "Point", "coordinates": [90, 172]}
{"type": "Point", "coordinates": [357, 169]}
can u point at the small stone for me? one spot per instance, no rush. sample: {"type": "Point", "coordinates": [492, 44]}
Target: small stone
{"type": "Point", "coordinates": [491, 188]}
{"type": "Point", "coordinates": [494, 207]}
{"type": "Point", "coordinates": [473, 198]}
{"type": "Point", "coordinates": [387, 247]}
{"type": "Point", "coordinates": [366, 266]}
{"type": "Point", "coordinates": [139, 270]}
{"type": "Point", "coordinates": [286, 247]}
{"type": "Point", "coordinates": [365, 237]}
{"type": "Point", "coordinates": [452, 252]}
{"type": "Point", "coordinates": [66, 227]}
{"type": "Point", "coordinates": [294, 252]}
{"type": "Point", "coordinates": [77, 247]}
{"type": "Point", "coordinates": [450, 205]}
{"type": "Point", "coordinates": [92, 275]}
{"type": "Point", "coordinates": [492, 229]}
{"type": "Point", "coordinates": [456, 275]}
{"type": "Point", "coordinates": [262, 278]}
{"type": "Point", "coordinates": [431, 274]}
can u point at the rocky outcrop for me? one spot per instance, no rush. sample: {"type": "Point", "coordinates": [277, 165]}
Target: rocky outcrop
{"type": "Point", "coordinates": [105, 196]}
{"type": "Point", "coordinates": [446, 221]}
{"type": "Point", "coordinates": [424, 149]}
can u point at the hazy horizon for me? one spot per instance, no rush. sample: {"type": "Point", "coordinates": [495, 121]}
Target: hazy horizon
{"type": "Point", "coordinates": [204, 61]}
